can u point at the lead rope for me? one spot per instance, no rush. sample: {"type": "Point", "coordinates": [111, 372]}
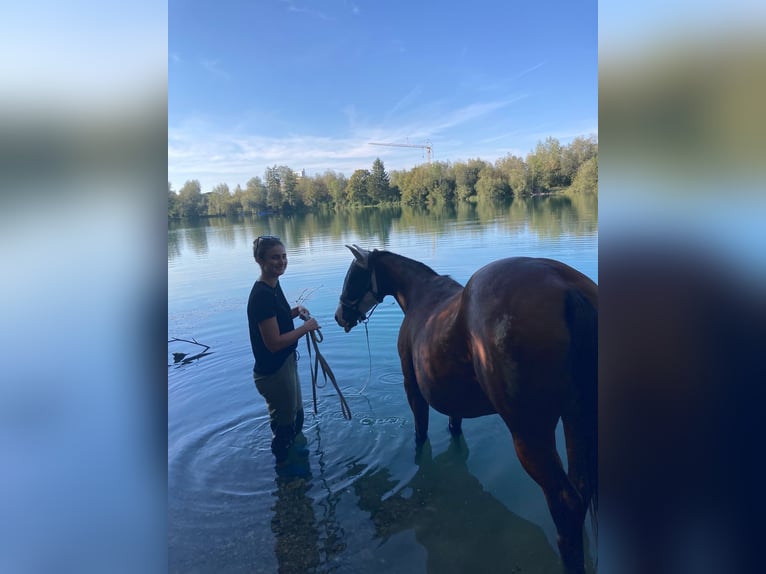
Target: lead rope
{"type": "Point", "coordinates": [312, 339]}
{"type": "Point", "coordinates": [369, 352]}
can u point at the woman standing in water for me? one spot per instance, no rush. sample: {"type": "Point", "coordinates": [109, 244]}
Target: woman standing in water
{"type": "Point", "coordinates": [273, 338]}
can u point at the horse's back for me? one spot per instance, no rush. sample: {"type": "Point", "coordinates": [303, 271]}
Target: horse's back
{"type": "Point", "coordinates": [516, 275]}
{"type": "Point", "coordinates": [525, 288]}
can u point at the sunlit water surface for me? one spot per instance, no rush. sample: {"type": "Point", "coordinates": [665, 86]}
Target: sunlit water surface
{"type": "Point", "coordinates": [366, 506]}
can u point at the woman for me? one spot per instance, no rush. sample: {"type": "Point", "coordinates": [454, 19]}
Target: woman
{"type": "Point", "coordinates": [273, 338]}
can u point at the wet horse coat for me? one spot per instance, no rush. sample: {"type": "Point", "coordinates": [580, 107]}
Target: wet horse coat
{"type": "Point", "coordinates": [519, 340]}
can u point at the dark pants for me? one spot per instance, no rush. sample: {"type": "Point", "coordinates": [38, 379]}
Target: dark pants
{"type": "Point", "coordinates": [282, 391]}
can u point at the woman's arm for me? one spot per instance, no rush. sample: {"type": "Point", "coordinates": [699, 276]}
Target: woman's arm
{"type": "Point", "coordinates": [276, 341]}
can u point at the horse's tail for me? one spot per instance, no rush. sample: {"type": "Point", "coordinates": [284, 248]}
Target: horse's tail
{"type": "Point", "coordinates": [582, 321]}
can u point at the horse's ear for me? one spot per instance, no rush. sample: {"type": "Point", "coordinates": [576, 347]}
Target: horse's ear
{"type": "Point", "coordinates": [360, 254]}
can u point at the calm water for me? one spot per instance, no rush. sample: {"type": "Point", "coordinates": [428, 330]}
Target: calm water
{"type": "Point", "coordinates": [366, 506]}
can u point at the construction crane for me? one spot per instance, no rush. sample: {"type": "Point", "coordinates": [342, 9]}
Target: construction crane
{"type": "Point", "coordinates": [426, 147]}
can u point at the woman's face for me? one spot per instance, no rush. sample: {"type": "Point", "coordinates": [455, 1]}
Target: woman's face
{"type": "Point", "coordinates": [274, 261]}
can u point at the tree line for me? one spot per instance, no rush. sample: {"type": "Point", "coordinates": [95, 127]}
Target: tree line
{"type": "Point", "coordinates": [550, 167]}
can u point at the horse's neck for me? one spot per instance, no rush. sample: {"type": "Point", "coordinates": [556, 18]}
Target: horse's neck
{"type": "Point", "coordinates": [412, 283]}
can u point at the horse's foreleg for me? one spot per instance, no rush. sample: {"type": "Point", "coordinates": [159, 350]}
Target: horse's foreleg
{"type": "Point", "coordinates": [539, 458]}
{"type": "Point", "coordinates": [419, 408]}
{"type": "Point", "coordinates": [455, 426]}
{"type": "Point", "coordinates": [415, 398]}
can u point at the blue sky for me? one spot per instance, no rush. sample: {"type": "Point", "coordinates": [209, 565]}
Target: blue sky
{"type": "Point", "coordinates": [309, 83]}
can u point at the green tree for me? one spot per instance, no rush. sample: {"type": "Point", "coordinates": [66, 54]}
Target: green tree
{"type": "Point", "coordinates": [580, 150]}
{"type": "Point", "coordinates": [416, 185]}
{"type": "Point", "coordinates": [218, 199]}
{"type": "Point", "coordinates": [396, 182]}
{"type": "Point", "coordinates": [442, 185]}
{"type": "Point", "coordinates": [313, 191]}
{"type": "Point", "coordinates": [379, 184]}
{"type": "Point", "coordinates": [466, 175]}
{"type": "Point", "coordinates": [256, 197]}
{"type": "Point", "coordinates": [234, 203]}
{"type": "Point", "coordinates": [356, 190]}
{"type": "Point", "coordinates": [336, 186]}
{"type": "Point", "coordinates": [274, 198]}
{"type": "Point", "coordinates": [237, 200]}
{"type": "Point", "coordinates": [491, 185]}
{"type": "Point", "coordinates": [545, 166]}
{"type": "Point", "coordinates": [191, 204]}
{"type": "Point", "coordinates": [173, 202]}
{"type": "Point", "coordinates": [289, 186]}
{"type": "Point", "coordinates": [586, 179]}
{"type": "Point", "coordinates": [516, 174]}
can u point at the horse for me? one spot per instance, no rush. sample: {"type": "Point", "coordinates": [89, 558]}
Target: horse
{"type": "Point", "coordinates": [519, 340]}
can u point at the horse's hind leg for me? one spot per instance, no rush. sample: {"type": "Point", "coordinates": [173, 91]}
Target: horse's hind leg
{"type": "Point", "coordinates": [455, 426]}
{"type": "Point", "coordinates": [539, 457]}
{"type": "Point", "coordinates": [577, 452]}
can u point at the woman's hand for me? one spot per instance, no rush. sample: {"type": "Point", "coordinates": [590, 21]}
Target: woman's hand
{"type": "Point", "coordinates": [311, 324]}
{"type": "Point", "coordinates": [302, 312]}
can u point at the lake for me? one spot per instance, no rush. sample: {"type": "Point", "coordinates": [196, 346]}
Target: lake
{"type": "Point", "coordinates": [366, 506]}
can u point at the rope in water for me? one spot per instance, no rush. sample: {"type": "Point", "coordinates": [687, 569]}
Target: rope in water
{"type": "Point", "coordinates": [313, 338]}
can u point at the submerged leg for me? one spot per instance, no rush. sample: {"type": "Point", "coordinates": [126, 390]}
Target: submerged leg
{"type": "Point", "coordinates": [419, 408]}
{"type": "Point", "coordinates": [539, 458]}
{"type": "Point", "coordinates": [455, 426]}
{"type": "Point", "coordinates": [299, 439]}
{"type": "Point", "coordinates": [417, 403]}
{"type": "Point", "coordinates": [282, 439]}
{"type": "Point", "coordinates": [298, 425]}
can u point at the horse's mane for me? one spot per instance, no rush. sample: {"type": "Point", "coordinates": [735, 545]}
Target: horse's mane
{"type": "Point", "coordinates": [411, 262]}
{"type": "Point", "coordinates": [440, 281]}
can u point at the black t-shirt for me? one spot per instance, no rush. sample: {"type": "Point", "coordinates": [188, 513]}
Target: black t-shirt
{"type": "Point", "coordinates": [266, 302]}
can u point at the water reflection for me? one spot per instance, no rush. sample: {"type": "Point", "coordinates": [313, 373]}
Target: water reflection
{"type": "Point", "coordinates": [303, 541]}
{"type": "Point", "coordinates": [333, 536]}
{"type": "Point", "coordinates": [294, 526]}
{"type": "Point", "coordinates": [462, 527]}
{"type": "Point", "coordinates": [174, 245]}
{"type": "Point", "coordinates": [224, 230]}
{"type": "Point", "coordinates": [430, 218]}
{"type": "Point", "coordinates": [549, 217]}
{"type": "Point", "coordinates": [197, 239]}
{"type": "Point", "coordinates": [554, 216]}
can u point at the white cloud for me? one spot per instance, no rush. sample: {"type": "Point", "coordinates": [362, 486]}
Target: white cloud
{"type": "Point", "coordinates": [293, 7]}
{"type": "Point", "coordinates": [202, 150]}
{"type": "Point", "coordinates": [405, 101]}
{"type": "Point", "coordinates": [214, 68]}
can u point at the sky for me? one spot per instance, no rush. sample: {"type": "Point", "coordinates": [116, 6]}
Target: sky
{"type": "Point", "coordinates": [309, 83]}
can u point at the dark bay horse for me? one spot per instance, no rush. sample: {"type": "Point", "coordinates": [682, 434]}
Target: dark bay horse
{"type": "Point", "coordinates": [520, 340]}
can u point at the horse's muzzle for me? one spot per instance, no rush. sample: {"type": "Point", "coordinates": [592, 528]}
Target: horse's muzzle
{"type": "Point", "coordinates": [343, 322]}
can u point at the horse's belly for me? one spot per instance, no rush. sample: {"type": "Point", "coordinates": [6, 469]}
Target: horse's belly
{"type": "Point", "coordinates": [457, 398]}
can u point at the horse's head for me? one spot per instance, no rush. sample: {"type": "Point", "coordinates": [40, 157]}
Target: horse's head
{"type": "Point", "coordinates": [360, 290]}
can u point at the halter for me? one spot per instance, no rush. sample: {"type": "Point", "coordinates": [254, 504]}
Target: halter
{"type": "Point", "coordinates": [354, 304]}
